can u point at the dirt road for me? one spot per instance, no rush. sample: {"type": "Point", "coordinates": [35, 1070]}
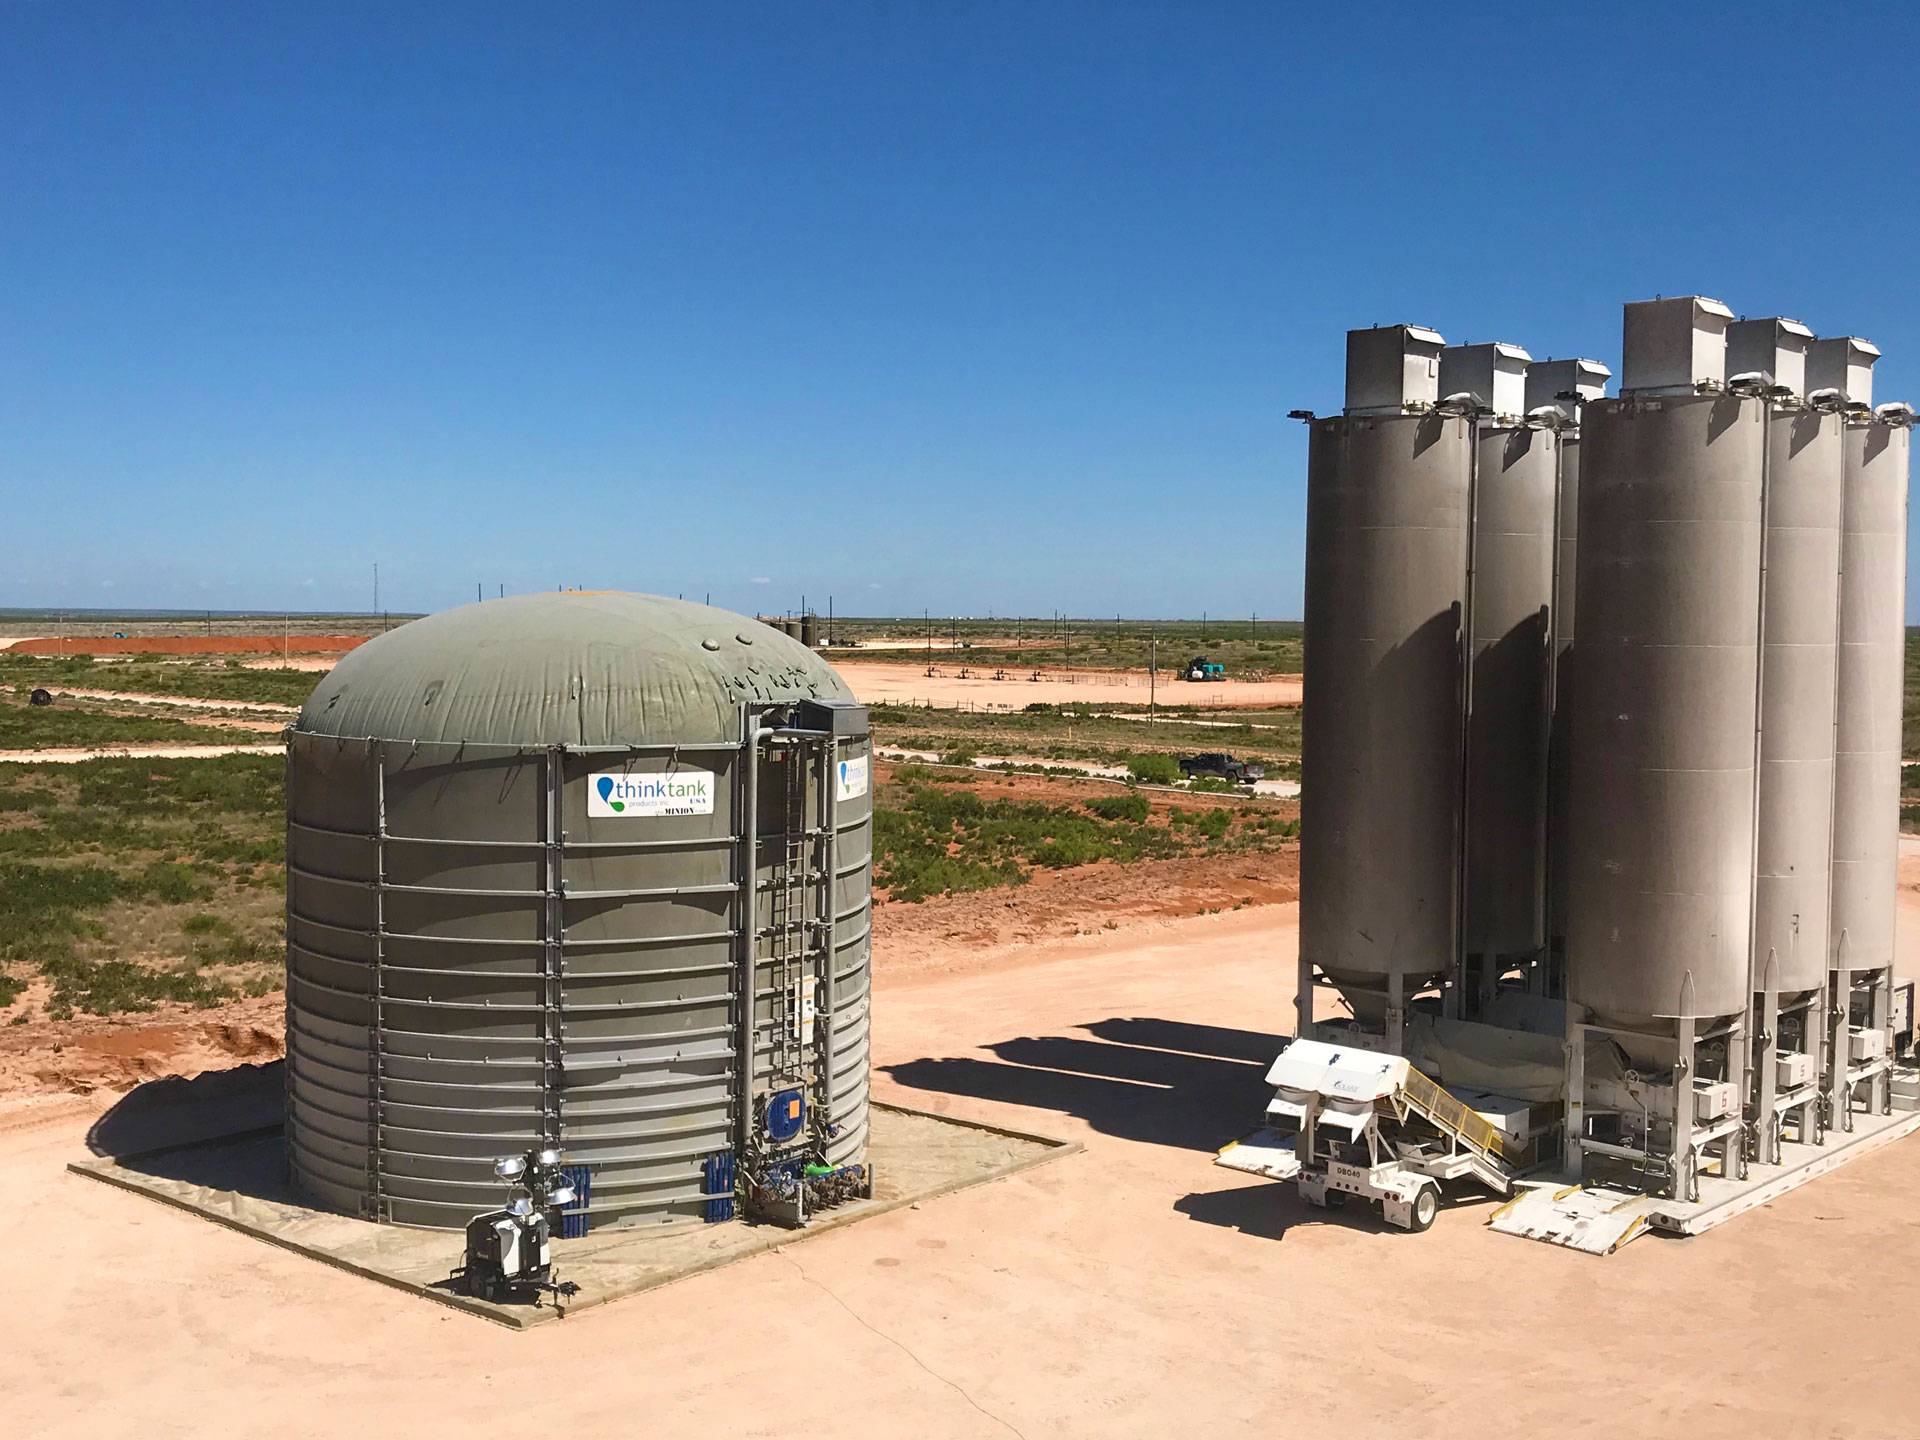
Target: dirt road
{"type": "Point", "coordinates": [884, 682]}
{"type": "Point", "coordinates": [1134, 1290]}
{"type": "Point", "coordinates": [188, 702]}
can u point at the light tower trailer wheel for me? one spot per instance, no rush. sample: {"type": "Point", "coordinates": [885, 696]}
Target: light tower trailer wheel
{"type": "Point", "coordinates": [1413, 1210]}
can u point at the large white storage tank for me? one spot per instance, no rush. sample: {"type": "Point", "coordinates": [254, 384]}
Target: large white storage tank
{"type": "Point", "coordinates": [1387, 518]}
{"type": "Point", "coordinates": [589, 871]}
{"type": "Point", "coordinates": [1662, 776]}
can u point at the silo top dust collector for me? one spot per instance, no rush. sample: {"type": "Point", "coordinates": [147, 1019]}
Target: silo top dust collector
{"type": "Point", "coordinates": [588, 872]}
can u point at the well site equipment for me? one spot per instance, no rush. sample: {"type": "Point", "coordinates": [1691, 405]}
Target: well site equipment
{"type": "Point", "coordinates": [581, 871]}
{"type": "Point", "coordinates": [1645, 883]}
{"type": "Point", "coordinates": [1389, 495]}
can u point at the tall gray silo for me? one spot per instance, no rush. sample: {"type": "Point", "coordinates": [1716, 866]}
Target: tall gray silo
{"type": "Point", "coordinates": [1799, 630]}
{"type": "Point", "coordinates": [1387, 505]}
{"type": "Point", "coordinates": [1866, 809]}
{"type": "Point", "coordinates": [1663, 724]}
{"type": "Point", "coordinates": [535, 848]}
{"type": "Point", "coordinates": [1566, 386]}
{"type": "Point", "coordinates": [1510, 604]}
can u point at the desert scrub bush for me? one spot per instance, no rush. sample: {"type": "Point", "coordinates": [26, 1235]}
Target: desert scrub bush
{"type": "Point", "coordinates": [1121, 807]}
{"type": "Point", "coordinates": [108, 987]}
{"type": "Point", "coordinates": [1153, 769]}
{"type": "Point", "coordinates": [1214, 824]}
{"type": "Point", "coordinates": [941, 841]}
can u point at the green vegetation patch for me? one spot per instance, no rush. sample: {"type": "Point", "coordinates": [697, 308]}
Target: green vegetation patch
{"type": "Point", "coordinates": [190, 679]}
{"type": "Point", "coordinates": [77, 725]}
{"type": "Point", "coordinates": [130, 881]}
{"type": "Point", "coordinates": [940, 841]}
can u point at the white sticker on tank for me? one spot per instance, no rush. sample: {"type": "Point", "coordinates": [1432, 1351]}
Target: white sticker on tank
{"type": "Point", "coordinates": [612, 793]}
{"type": "Point", "coordinates": [853, 777]}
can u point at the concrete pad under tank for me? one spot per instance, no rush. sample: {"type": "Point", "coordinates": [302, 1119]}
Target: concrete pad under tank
{"type": "Point", "coordinates": [239, 1181]}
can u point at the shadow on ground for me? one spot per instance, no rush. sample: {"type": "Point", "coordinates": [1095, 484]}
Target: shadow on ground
{"type": "Point", "coordinates": [1162, 1082]}
{"type": "Point", "coordinates": [168, 1128]}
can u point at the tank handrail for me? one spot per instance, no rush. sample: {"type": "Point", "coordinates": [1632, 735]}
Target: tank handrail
{"type": "Point", "coordinates": [570, 944]}
{"type": "Point", "coordinates": [505, 1007]}
{"type": "Point", "coordinates": [725, 887]}
{"type": "Point", "coordinates": [688, 842]}
{"type": "Point", "coordinates": [681, 1037]}
{"type": "Point", "coordinates": [673, 972]}
{"type": "Point", "coordinates": [505, 750]}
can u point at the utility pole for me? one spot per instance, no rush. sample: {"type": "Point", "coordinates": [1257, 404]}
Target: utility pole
{"type": "Point", "coordinates": [1153, 674]}
{"type": "Point", "coordinates": [376, 587]}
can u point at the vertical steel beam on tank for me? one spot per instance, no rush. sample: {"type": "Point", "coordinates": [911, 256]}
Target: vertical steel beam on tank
{"type": "Point", "coordinates": [830, 929]}
{"type": "Point", "coordinates": [552, 950]}
{"type": "Point", "coordinates": [375, 1203]}
{"type": "Point", "coordinates": [748, 982]}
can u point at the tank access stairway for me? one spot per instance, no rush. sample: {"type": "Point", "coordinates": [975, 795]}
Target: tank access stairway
{"type": "Point", "coordinates": [1331, 1101]}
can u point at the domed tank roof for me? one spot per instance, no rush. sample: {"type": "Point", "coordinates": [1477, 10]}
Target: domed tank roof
{"type": "Point", "coordinates": [567, 668]}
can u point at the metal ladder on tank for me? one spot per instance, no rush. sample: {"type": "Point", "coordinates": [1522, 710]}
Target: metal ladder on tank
{"type": "Point", "coordinates": [793, 948]}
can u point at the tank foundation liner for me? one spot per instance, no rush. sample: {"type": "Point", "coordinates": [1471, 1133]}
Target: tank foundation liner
{"type": "Point", "coordinates": [1599, 1219]}
{"type": "Point", "coordinates": [239, 1180]}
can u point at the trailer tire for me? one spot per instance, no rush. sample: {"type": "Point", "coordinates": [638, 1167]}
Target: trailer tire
{"type": "Point", "coordinates": [1424, 1209]}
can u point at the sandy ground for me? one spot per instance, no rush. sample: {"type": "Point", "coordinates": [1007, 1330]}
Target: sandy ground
{"type": "Point", "coordinates": [882, 682]}
{"type": "Point", "coordinates": [158, 752]}
{"type": "Point", "coordinates": [1134, 1290]}
{"type": "Point", "coordinates": [335, 645]}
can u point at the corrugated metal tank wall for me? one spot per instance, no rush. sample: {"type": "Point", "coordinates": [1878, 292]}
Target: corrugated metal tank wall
{"type": "Point", "coordinates": [1513, 573]}
{"type": "Point", "coordinates": [1661, 854]}
{"type": "Point", "coordinates": [477, 964]}
{"type": "Point", "coordinates": [1385, 585]}
{"type": "Point", "coordinates": [1866, 812]}
{"type": "Point", "coordinates": [1794, 850]}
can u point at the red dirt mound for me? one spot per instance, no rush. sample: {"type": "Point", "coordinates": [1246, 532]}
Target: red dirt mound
{"type": "Point", "coordinates": [192, 645]}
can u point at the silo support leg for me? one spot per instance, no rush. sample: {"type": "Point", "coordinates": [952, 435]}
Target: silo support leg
{"type": "Point", "coordinates": [1839, 1053]}
{"type": "Point", "coordinates": [1396, 1014]}
{"type": "Point", "coordinates": [1576, 1124]}
{"type": "Point", "coordinates": [1766, 1123]}
{"type": "Point", "coordinates": [1682, 1119]}
{"type": "Point", "coordinates": [1881, 1019]}
{"type": "Point", "coordinates": [1303, 1002]}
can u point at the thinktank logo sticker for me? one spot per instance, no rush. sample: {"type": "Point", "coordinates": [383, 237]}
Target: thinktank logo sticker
{"type": "Point", "coordinates": [682, 792]}
{"type": "Point", "coordinates": [853, 778]}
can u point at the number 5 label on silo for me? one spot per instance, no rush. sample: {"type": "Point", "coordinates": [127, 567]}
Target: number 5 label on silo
{"type": "Point", "coordinates": [683, 792]}
{"type": "Point", "coordinates": [853, 777]}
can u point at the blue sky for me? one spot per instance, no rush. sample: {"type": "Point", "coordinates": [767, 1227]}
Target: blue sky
{"type": "Point", "coordinates": [958, 307]}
